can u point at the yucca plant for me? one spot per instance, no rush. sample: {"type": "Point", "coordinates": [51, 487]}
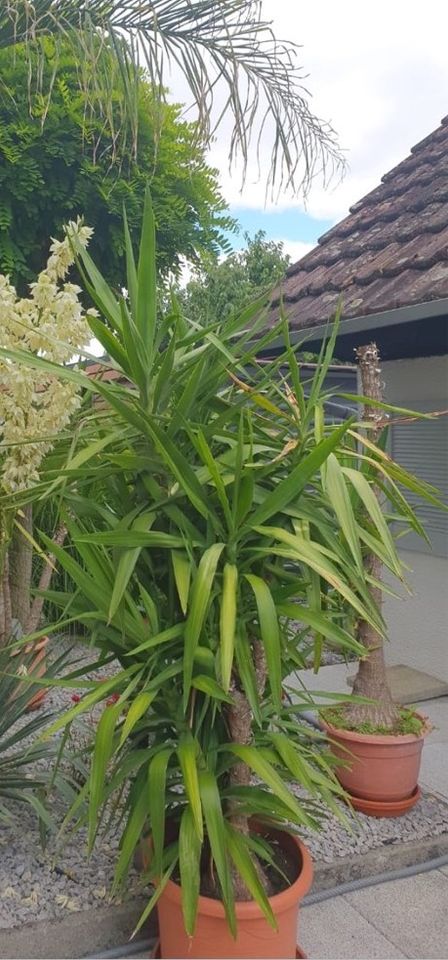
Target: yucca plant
{"type": "Point", "coordinates": [29, 769]}
{"type": "Point", "coordinates": [200, 523]}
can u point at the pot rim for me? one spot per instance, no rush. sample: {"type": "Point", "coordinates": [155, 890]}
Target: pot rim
{"type": "Point", "coordinates": [379, 738]}
{"type": "Point", "coordinates": [249, 909]}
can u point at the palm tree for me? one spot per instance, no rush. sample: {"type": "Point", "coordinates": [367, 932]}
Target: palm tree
{"type": "Point", "coordinates": [228, 54]}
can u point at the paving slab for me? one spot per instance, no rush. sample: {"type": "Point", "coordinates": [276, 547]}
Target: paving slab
{"type": "Point", "coordinates": [336, 929]}
{"type": "Point", "coordinates": [411, 913]}
{"type": "Point", "coordinates": [409, 685]}
{"type": "Point", "coordinates": [434, 768]}
{"type": "Point", "coordinates": [437, 710]}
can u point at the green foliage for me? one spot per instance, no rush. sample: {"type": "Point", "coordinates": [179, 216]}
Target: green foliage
{"type": "Point", "coordinates": [73, 164]}
{"type": "Point", "coordinates": [200, 525]}
{"type": "Point", "coordinates": [224, 289]}
{"type": "Point", "coordinates": [26, 764]}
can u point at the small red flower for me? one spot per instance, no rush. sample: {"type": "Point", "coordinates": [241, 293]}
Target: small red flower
{"type": "Point", "coordinates": [75, 697]}
{"type": "Point", "coordinates": [112, 699]}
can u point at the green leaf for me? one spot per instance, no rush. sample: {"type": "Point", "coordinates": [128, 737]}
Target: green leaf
{"type": "Point", "coordinates": [100, 693]}
{"type": "Point", "coordinates": [182, 576]}
{"type": "Point", "coordinates": [322, 624]}
{"type": "Point", "coordinates": [372, 506]}
{"type": "Point", "coordinates": [136, 711]}
{"type": "Point", "coordinates": [312, 554]}
{"type": "Point", "coordinates": [227, 622]}
{"type": "Point", "coordinates": [290, 488]}
{"type": "Point", "coordinates": [270, 635]}
{"type": "Point", "coordinates": [216, 834]}
{"type": "Point", "coordinates": [126, 565]}
{"type": "Point", "coordinates": [157, 804]}
{"type": "Point", "coordinates": [187, 753]}
{"type": "Point", "coordinates": [132, 834]}
{"type": "Point", "coordinates": [244, 864]}
{"type": "Point", "coordinates": [189, 864]}
{"type": "Point", "coordinates": [101, 756]}
{"type": "Point", "coordinates": [200, 599]}
{"type": "Point", "coordinates": [263, 769]}
{"type": "Point", "coordinates": [246, 672]}
{"type": "Point", "coordinates": [335, 488]}
{"type": "Point", "coordinates": [210, 686]}
{"type": "Point", "coordinates": [146, 278]}
{"type": "Point", "coordinates": [131, 272]}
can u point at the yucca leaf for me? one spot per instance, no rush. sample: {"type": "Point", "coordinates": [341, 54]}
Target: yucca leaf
{"type": "Point", "coordinates": [322, 624]}
{"type": "Point", "coordinates": [335, 488]}
{"type": "Point", "coordinates": [157, 804]}
{"type": "Point", "coordinates": [211, 687]}
{"type": "Point", "coordinates": [270, 634]}
{"type": "Point", "coordinates": [216, 834]}
{"type": "Point", "coordinates": [200, 599]}
{"type": "Point", "coordinates": [373, 509]}
{"type": "Point", "coordinates": [101, 756]}
{"type": "Point", "coordinates": [136, 711]}
{"type": "Point", "coordinates": [263, 769]}
{"type": "Point", "coordinates": [131, 272]}
{"type": "Point", "coordinates": [290, 488]}
{"type": "Point", "coordinates": [227, 622]}
{"type": "Point", "coordinates": [126, 564]}
{"type": "Point", "coordinates": [189, 865]}
{"type": "Point", "coordinates": [187, 753]}
{"type": "Point", "coordinates": [182, 576]}
{"type": "Point", "coordinates": [147, 279]}
{"type": "Point", "coordinates": [244, 864]}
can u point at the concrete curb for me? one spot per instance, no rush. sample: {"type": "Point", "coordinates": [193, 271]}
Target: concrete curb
{"type": "Point", "coordinates": [76, 935]}
{"type": "Point", "coordinates": [382, 859]}
{"type": "Point", "coordinates": [81, 934]}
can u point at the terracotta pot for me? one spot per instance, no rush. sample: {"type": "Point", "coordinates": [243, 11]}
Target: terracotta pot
{"type": "Point", "coordinates": [255, 937]}
{"type": "Point", "coordinates": [36, 667]}
{"type": "Point", "coordinates": [382, 768]}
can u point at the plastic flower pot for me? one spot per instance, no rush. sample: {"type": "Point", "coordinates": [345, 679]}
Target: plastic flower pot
{"type": "Point", "coordinates": [37, 667]}
{"type": "Point", "coordinates": [255, 936]}
{"type": "Point", "coordinates": [380, 769]}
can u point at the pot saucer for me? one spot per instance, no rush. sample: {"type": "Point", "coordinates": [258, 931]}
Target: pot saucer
{"type": "Point", "coordinates": [155, 953]}
{"type": "Point", "coordinates": [386, 808]}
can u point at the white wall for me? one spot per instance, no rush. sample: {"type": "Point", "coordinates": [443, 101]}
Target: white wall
{"type": "Point", "coordinates": [418, 625]}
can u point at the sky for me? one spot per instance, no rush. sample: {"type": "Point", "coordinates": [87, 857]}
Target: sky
{"type": "Point", "coordinates": [379, 73]}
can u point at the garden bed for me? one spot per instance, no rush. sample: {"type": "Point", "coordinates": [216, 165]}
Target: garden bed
{"type": "Point", "coordinates": [42, 885]}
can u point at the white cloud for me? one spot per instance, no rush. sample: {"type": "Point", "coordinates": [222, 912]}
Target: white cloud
{"type": "Point", "coordinates": [296, 248]}
{"type": "Point", "coordinates": [379, 73]}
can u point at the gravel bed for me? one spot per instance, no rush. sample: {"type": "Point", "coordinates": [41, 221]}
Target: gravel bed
{"type": "Point", "coordinates": [428, 819]}
{"type": "Point", "coordinates": [40, 885]}
{"type": "Point", "coordinates": [37, 884]}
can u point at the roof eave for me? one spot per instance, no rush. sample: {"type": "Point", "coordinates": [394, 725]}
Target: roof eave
{"type": "Point", "coordinates": [373, 321]}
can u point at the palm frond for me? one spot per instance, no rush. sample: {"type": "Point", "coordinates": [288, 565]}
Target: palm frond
{"type": "Point", "coordinates": [233, 65]}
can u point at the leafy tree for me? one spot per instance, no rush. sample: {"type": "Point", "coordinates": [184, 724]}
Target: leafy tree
{"type": "Point", "coordinates": [225, 288]}
{"type": "Point", "coordinates": [54, 170]}
{"type": "Point", "coordinates": [219, 46]}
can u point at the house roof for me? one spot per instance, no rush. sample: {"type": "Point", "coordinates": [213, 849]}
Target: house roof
{"type": "Point", "coordinates": [390, 252]}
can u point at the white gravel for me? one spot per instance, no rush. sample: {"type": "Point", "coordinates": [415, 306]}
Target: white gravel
{"type": "Point", "coordinates": [36, 886]}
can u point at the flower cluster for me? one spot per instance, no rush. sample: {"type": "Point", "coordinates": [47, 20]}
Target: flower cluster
{"type": "Point", "coordinates": [35, 405]}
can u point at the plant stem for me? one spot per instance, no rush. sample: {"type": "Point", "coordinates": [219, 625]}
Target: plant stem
{"type": "Point", "coordinates": [239, 718]}
{"type": "Point", "coordinates": [371, 679]}
{"type": "Point", "coordinates": [35, 612]}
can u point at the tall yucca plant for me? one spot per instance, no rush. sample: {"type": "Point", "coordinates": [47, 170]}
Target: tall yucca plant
{"type": "Point", "coordinates": [198, 529]}
{"type": "Point", "coordinates": [223, 49]}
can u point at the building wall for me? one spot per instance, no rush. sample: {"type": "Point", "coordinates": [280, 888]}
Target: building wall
{"type": "Point", "coordinates": [418, 625]}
